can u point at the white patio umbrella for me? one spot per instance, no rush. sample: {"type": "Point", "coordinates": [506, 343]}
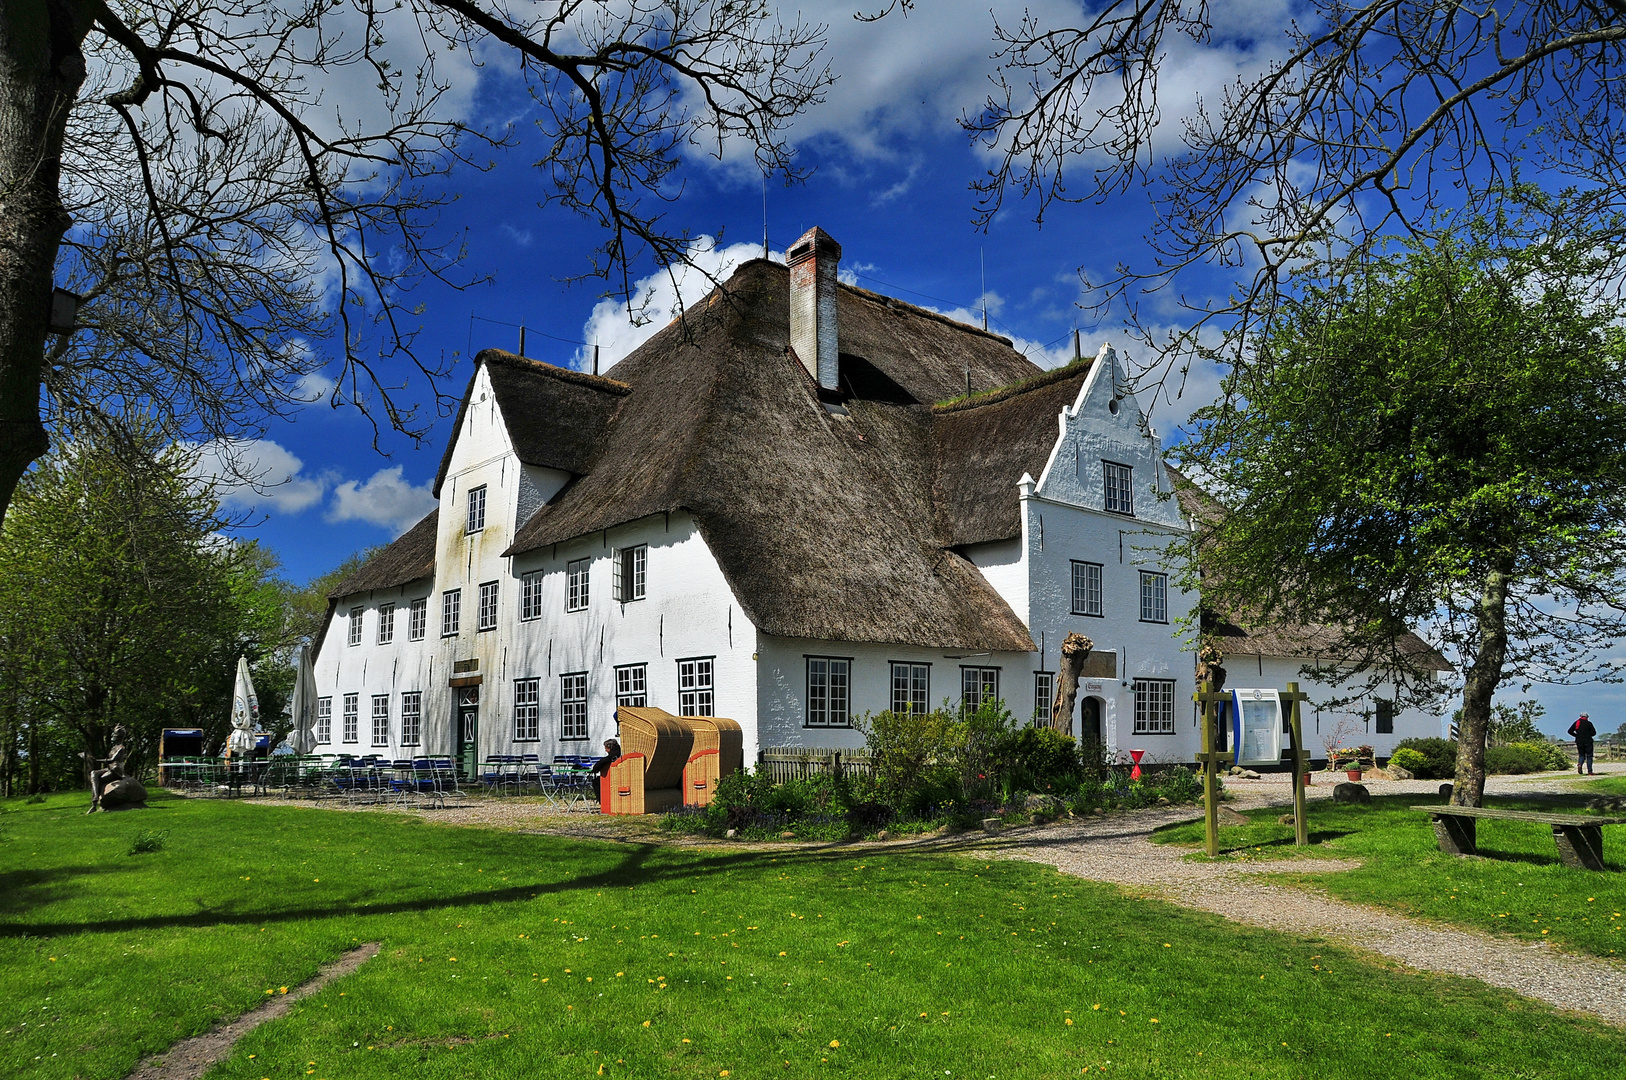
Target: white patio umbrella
{"type": "Point", "coordinates": [245, 713]}
{"type": "Point", "coordinates": [303, 737]}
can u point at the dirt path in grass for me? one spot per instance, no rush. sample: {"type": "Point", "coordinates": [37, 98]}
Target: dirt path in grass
{"type": "Point", "coordinates": [1119, 850]}
{"type": "Point", "coordinates": [191, 1058]}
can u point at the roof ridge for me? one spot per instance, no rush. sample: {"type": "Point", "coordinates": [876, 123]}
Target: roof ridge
{"type": "Point", "coordinates": [926, 313]}
{"type": "Point", "coordinates": [541, 367]}
{"type": "Point", "coordinates": [1010, 390]}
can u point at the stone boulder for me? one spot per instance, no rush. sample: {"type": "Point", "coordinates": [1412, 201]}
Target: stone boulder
{"type": "Point", "coordinates": [1287, 819]}
{"type": "Point", "coordinates": [1351, 792]}
{"type": "Point", "coordinates": [124, 794]}
{"type": "Point", "coordinates": [991, 825]}
{"type": "Point", "coordinates": [1043, 807]}
{"type": "Point", "coordinates": [1227, 816]}
{"type": "Point", "coordinates": [1445, 792]}
{"type": "Point", "coordinates": [1397, 773]}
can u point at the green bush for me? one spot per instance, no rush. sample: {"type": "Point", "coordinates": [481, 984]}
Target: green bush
{"type": "Point", "coordinates": [1411, 760]}
{"type": "Point", "coordinates": [1439, 757]}
{"type": "Point", "coordinates": [917, 757]}
{"type": "Point", "coordinates": [1524, 757]}
{"type": "Point", "coordinates": [147, 841]}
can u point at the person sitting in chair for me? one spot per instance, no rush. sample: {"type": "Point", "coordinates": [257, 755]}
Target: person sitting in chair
{"type": "Point", "coordinates": [612, 751]}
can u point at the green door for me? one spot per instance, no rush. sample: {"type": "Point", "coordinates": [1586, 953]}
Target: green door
{"type": "Point", "coordinates": [468, 731]}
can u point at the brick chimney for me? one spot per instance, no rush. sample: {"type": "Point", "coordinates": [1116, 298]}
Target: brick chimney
{"type": "Point", "coordinates": [813, 261]}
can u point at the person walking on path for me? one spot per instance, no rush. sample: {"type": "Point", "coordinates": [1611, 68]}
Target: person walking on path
{"type": "Point", "coordinates": [1583, 732]}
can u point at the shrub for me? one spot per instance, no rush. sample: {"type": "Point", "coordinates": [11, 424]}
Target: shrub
{"type": "Point", "coordinates": [917, 757]}
{"type": "Point", "coordinates": [1524, 758]}
{"type": "Point", "coordinates": [1410, 760]}
{"type": "Point", "coordinates": [1439, 757]}
{"type": "Point", "coordinates": [147, 841]}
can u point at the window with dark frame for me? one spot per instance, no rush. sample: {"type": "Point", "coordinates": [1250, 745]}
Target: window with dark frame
{"type": "Point", "coordinates": [1118, 485]}
{"type": "Point", "coordinates": [355, 626]}
{"type": "Point", "coordinates": [1385, 717]}
{"type": "Point", "coordinates": [386, 623]}
{"type": "Point", "coordinates": [1154, 706]}
{"type": "Point", "coordinates": [477, 509]}
{"type": "Point", "coordinates": [418, 619]}
{"type": "Point", "coordinates": [527, 710]}
{"type": "Point", "coordinates": [576, 584]}
{"type": "Point", "coordinates": [573, 706]}
{"type": "Point", "coordinates": [487, 617]}
{"type": "Point", "coordinates": [978, 686]}
{"type": "Point", "coordinates": [412, 718]}
{"type": "Point", "coordinates": [381, 719]}
{"type": "Point", "coordinates": [530, 596]}
{"type": "Point", "coordinates": [695, 687]}
{"type": "Point", "coordinates": [1154, 597]}
{"type": "Point", "coordinates": [632, 686]}
{"type": "Point", "coordinates": [324, 720]}
{"type": "Point", "coordinates": [1086, 588]}
{"type": "Point", "coordinates": [352, 718]}
{"type": "Point", "coordinates": [911, 687]}
{"type": "Point", "coordinates": [451, 611]}
{"type": "Point", "coordinates": [1044, 695]}
{"type": "Point", "coordinates": [829, 691]}
{"type": "Point", "coordinates": [630, 573]}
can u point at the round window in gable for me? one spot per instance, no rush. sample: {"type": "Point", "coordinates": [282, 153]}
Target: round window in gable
{"type": "Point", "coordinates": [1112, 406]}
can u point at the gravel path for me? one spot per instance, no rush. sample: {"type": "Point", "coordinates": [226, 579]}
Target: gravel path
{"type": "Point", "coordinates": [1119, 850]}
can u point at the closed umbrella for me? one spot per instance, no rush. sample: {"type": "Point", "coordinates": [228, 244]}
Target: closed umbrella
{"type": "Point", "coordinates": [245, 713]}
{"type": "Point", "coordinates": [303, 737]}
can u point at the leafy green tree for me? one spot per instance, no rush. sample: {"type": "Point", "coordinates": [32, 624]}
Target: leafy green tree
{"type": "Point", "coordinates": [120, 602]}
{"type": "Point", "coordinates": [1431, 436]}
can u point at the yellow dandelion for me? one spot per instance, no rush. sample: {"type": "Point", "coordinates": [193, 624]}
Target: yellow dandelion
{"type": "Point", "coordinates": [834, 1043]}
{"type": "Point", "coordinates": [1154, 1019]}
{"type": "Point", "coordinates": [1097, 1008]}
{"type": "Point", "coordinates": [1069, 1021]}
{"type": "Point", "coordinates": [685, 1040]}
{"type": "Point", "coordinates": [646, 1023]}
{"type": "Point", "coordinates": [619, 974]}
{"type": "Point", "coordinates": [282, 989]}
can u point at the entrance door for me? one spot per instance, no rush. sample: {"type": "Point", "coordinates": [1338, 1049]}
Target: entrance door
{"type": "Point", "coordinates": [468, 730]}
{"type": "Point", "coordinates": [1089, 726]}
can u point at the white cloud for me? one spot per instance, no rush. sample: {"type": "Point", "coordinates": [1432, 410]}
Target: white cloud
{"type": "Point", "coordinates": [313, 386]}
{"type": "Point", "coordinates": [386, 499]}
{"type": "Point", "coordinates": [258, 475]}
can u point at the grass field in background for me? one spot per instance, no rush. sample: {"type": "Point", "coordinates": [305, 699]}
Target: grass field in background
{"type": "Point", "coordinates": [507, 955]}
{"type": "Point", "coordinates": [1517, 888]}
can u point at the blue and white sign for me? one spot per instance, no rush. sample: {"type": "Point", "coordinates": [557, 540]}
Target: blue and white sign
{"type": "Point", "coordinates": [1256, 725]}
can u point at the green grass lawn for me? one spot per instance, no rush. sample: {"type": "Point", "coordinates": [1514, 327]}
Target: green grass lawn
{"type": "Point", "coordinates": [507, 955]}
{"type": "Point", "coordinates": [1608, 785]}
{"type": "Point", "coordinates": [1519, 888]}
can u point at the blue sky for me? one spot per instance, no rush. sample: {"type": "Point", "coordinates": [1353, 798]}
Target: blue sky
{"type": "Point", "coordinates": [890, 176]}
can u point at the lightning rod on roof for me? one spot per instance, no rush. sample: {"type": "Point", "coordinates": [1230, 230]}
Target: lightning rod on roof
{"type": "Point", "coordinates": [983, 264]}
{"type": "Point", "coordinates": [764, 215]}
{"type": "Point", "coordinates": [522, 339]}
{"type": "Point", "coordinates": [595, 358]}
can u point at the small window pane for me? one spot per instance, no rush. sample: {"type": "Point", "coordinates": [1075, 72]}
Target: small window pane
{"type": "Point", "coordinates": [412, 718]}
{"type": "Point", "coordinates": [324, 720]}
{"type": "Point", "coordinates": [910, 686]}
{"type": "Point", "coordinates": [352, 718]}
{"type": "Point", "coordinates": [1044, 695]}
{"type": "Point", "coordinates": [632, 686]}
{"type": "Point", "coordinates": [1154, 597]}
{"type": "Point", "coordinates": [978, 686]}
{"type": "Point", "coordinates": [530, 596]}
{"type": "Point", "coordinates": [828, 686]}
{"type": "Point", "coordinates": [381, 719]}
{"type": "Point", "coordinates": [1086, 588]}
{"type": "Point", "coordinates": [695, 688]}
{"type": "Point", "coordinates": [355, 626]}
{"type": "Point", "coordinates": [418, 619]}
{"type": "Point", "coordinates": [477, 509]}
{"type": "Point", "coordinates": [1154, 707]}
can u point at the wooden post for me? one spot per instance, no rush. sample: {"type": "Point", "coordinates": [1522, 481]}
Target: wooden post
{"type": "Point", "coordinates": [1301, 762]}
{"type": "Point", "coordinates": [1210, 758]}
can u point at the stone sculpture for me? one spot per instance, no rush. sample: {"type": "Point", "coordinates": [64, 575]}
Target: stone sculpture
{"type": "Point", "coordinates": [110, 789]}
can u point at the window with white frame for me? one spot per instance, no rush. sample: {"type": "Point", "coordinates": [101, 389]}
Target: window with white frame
{"type": "Point", "coordinates": [530, 596]}
{"type": "Point", "coordinates": [488, 607]}
{"type": "Point", "coordinates": [412, 718]}
{"type": "Point", "coordinates": [1044, 695]}
{"type": "Point", "coordinates": [1154, 597]}
{"type": "Point", "coordinates": [1086, 588]}
{"type": "Point", "coordinates": [527, 710]}
{"type": "Point", "coordinates": [451, 611]}
{"type": "Point", "coordinates": [1118, 482]}
{"type": "Point", "coordinates": [829, 691]}
{"type": "Point", "coordinates": [630, 572]}
{"type": "Point", "coordinates": [1154, 706]}
{"type": "Point", "coordinates": [355, 626]}
{"type": "Point", "coordinates": [576, 584]}
{"type": "Point", "coordinates": [324, 720]}
{"type": "Point", "coordinates": [979, 686]}
{"type": "Point", "coordinates": [911, 684]}
{"type": "Point", "coordinates": [632, 686]}
{"type": "Point", "coordinates": [573, 705]}
{"type": "Point", "coordinates": [694, 687]}
{"type": "Point", "coordinates": [477, 509]}
{"type": "Point", "coordinates": [352, 718]}
{"type": "Point", "coordinates": [381, 719]}
{"type": "Point", "coordinates": [418, 619]}
{"type": "Point", "coordinates": [386, 623]}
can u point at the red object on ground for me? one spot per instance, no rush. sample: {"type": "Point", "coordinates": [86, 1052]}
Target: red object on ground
{"type": "Point", "coordinates": [1135, 756]}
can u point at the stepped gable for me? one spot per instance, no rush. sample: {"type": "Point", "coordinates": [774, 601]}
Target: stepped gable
{"type": "Point", "coordinates": [984, 444]}
{"type": "Point", "coordinates": [410, 558]}
{"type": "Point", "coordinates": [825, 527]}
{"type": "Point", "coordinates": [556, 417]}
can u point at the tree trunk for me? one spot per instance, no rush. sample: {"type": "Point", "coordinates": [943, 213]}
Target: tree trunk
{"type": "Point", "coordinates": [41, 69]}
{"type": "Point", "coordinates": [1480, 687]}
{"type": "Point", "coordinates": [1075, 649]}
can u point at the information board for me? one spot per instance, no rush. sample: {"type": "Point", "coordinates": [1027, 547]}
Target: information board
{"type": "Point", "coordinates": [1257, 724]}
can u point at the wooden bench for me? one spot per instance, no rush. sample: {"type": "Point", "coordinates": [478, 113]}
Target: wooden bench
{"type": "Point", "coordinates": [1579, 837]}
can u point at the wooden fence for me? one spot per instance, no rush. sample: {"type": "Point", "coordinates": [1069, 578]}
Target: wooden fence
{"type": "Point", "coordinates": [783, 763]}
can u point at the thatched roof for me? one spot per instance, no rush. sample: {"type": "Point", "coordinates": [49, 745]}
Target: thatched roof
{"type": "Point", "coordinates": [410, 558]}
{"type": "Point", "coordinates": [1236, 634]}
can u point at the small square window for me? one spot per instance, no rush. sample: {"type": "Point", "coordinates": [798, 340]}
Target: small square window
{"type": "Point", "coordinates": [477, 509]}
{"type": "Point", "coordinates": [487, 619]}
{"type": "Point", "coordinates": [355, 626]}
{"type": "Point", "coordinates": [576, 584]}
{"type": "Point", "coordinates": [1086, 588]}
{"type": "Point", "coordinates": [829, 691]}
{"type": "Point", "coordinates": [630, 565]}
{"type": "Point", "coordinates": [527, 710]}
{"type": "Point", "coordinates": [386, 623]}
{"type": "Point", "coordinates": [530, 596]}
{"type": "Point", "coordinates": [1154, 707]}
{"type": "Point", "coordinates": [1118, 483]}
{"type": "Point", "coordinates": [412, 718]}
{"type": "Point", "coordinates": [451, 611]}
{"type": "Point", "coordinates": [1154, 597]}
{"type": "Point", "coordinates": [695, 688]}
{"type": "Point", "coordinates": [573, 705]}
{"type": "Point", "coordinates": [418, 619]}
{"type": "Point", "coordinates": [352, 718]}
{"type": "Point", "coordinates": [632, 686]}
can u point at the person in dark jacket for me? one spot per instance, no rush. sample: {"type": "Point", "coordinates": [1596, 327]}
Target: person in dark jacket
{"type": "Point", "coordinates": [612, 750]}
{"type": "Point", "coordinates": [1583, 733]}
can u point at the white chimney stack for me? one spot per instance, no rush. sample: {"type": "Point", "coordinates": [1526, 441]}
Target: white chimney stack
{"type": "Point", "coordinates": [813, 261]}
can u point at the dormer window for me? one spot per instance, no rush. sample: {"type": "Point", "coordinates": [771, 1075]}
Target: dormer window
{"type": "Point", "coordinates": [477, 509]}
{"type": "Point", "coordinates": [1117, 481]}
